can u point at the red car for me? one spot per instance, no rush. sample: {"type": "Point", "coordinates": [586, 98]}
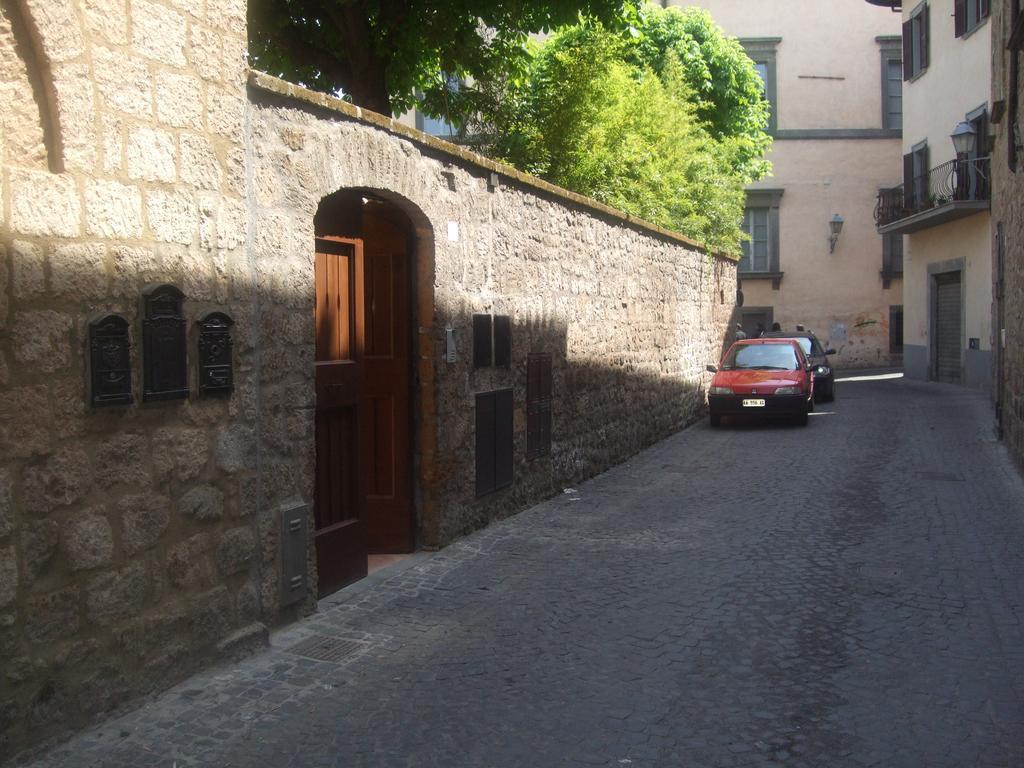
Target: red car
{"type": "Point", "coordinates": [762, 377]}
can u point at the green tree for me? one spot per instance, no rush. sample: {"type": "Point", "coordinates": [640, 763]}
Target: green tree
{"type": "Point", "coordinates": [381, 53]}
{"type": "Point", "coordinates": [600, 114]}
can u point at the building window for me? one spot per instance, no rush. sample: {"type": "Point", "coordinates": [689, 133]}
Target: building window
{"type": "Point", "coordinates": [916, 187]}
{"type": "Point", "coordinates": [896, 330]}
{"type": "Point", "coordinates": [915, 42]}
{"type": "Point", "coordinates": [761, 50]}
{"type": "Point", "coordinates": [756, 249]}
{"type": "Point", "coordinates": [968, 15]}
{"type": "Point", "coordinates": [761, 223]}
{"type": "Point", "coordinates": [436, 126]}
{"type": "Point", "coordinates": [538, 405]}
{"type": "Point", "coordinates": [892, 257]}
{"type": "Point", "coordinates": [892, 83]}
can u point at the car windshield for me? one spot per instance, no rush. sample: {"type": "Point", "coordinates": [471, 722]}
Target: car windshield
{"type": "Point", "coordinates": [766, 357]}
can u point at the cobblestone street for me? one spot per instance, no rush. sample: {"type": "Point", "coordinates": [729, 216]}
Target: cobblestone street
{"type": "Point", "coordinates": [846, 594]}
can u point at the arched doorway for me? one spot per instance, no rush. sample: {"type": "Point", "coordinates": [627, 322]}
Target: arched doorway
{"type": "Point", "coordinates": [366, 248]}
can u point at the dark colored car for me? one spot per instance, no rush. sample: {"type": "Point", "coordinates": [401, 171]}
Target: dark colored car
{"type": "Point", "coordinates": [824, 375]}
{"type": "Point", "coordinates": [763, 378]}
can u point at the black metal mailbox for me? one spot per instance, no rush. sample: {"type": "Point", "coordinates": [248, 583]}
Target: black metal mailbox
{"type": "Point", "coordinates": [164, 356]}
{"type": "Point", "coordinates": [216, 373]}
{"type": "Point", "coordinates": [110, 367]}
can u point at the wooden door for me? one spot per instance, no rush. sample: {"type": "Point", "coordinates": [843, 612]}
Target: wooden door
{"type": "Point", "coordinates": [387, 364]}
{"type": "Point", "coordinates": [340, 500]}
{"type": "Point", "coordinates": [947, 327]}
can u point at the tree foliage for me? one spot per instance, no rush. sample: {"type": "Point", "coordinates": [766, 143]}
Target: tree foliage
{"type": "Point", "coordinates": [665, 121]}
{"type": "Point", "coordinates": [381, 53]}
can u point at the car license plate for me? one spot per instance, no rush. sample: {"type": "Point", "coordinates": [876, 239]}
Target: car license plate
{"type": "Point", "coordinates": [753, 403]}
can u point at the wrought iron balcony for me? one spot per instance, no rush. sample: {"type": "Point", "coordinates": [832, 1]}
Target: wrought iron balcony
{"type": "Point", "coordinates": [951, 191]}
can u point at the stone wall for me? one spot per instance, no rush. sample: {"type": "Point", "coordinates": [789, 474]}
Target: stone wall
{"type": "Point", "coordinates": [139, 542]}
{"type": "Point", "coordinates": [127, 539]}
{"type": "Point", "coordinates": [630, 313]}
{"type": "Point", "coordinates": [1008, 223]}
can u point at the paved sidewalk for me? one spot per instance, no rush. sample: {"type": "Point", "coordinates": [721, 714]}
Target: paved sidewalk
{"type": "Point", "coordinates": [846, 594]}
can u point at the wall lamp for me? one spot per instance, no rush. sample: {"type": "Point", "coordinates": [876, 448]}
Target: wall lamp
{"type": "Point", "coordinates": [835, 226]}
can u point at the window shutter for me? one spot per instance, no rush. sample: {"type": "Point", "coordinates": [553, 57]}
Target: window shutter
{"type": "Point", "coordinates": [482, 350]}
{"type": "Point", "coordinates": [503, 438]}
{"type": "Point", "coordinates": [502, 341]}
{"type": "Point", "coordinates": [908, 181]}
{"type": "Point", "coordinates": [485, 436]}
{"type": "Point", "coordinates": [983, 9]}
{"type": "Point", "coordinates": [538, 405]}
{"type": "Point", "coordinates": [925, 23]}
{"type": "Point", "coordinates": [959, 17]}
{"type": "Point", "coordinates": [908, 51]}
{"type": "Point", "coordinates": [886, 254]}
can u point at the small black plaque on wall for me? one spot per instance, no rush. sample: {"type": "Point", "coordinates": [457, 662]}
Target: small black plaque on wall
{"type": "Point", "coordinates": [164, 356]}
{"type": "Point", "coordinates": [110, 368]}
{"type": "Point", "coordinates": [216, 373]}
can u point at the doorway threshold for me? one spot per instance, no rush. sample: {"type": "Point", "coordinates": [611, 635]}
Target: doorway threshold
{"type": "Point", "coordinates": [379, 568]}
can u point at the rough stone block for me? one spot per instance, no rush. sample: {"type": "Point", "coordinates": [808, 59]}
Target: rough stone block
{"type": "Point", "coordinates": [64, 478]}
{"type": "Point", "coordinates": [122, 460]}
{"type": "Point", "coordinates": [28, 273]}
{"type": "Point", "coordinates": [144, 518]}
{"type": "Point", "coordinates": [247, 603]}
{"type": "Point", "coordinates": [244, 642]}
{"type": "Point", "coordinates": [39, 539]}
{"type": "Point", "coordinates": [236, 448]}
{"type": "Point", "coordinates": [44, 204]}
{"type": "Point", "coordinates": [76, 107]}
{"type": "Point", "coordinates": [114, 210]}
{"type": "Point", "coordinates": [123, 83]}
{"type": "Point", "coordinates": [180, 452]}
{"type": "Point", "coordinates": [189, 563]}
{"type": "Point", "coordinates": [25, 420]}
{"type": "Point", "coordinates": [64, 41]}
{"type": "Point", "coordinates": [6, 504]}
{"type": "Point", "coordinates": [8, 576]}
{"type": "Point", "coordinates": [158, 32]}
{"type": "Point", "coordinates": [205, 52]}
{"type": "Point", "coordinates": [224, 110]}
{"type": "Point", "coordinates": [42, 339]}
{"type": "Point", "coordinates": [203, 502]}
{"type": "Point", "coordinates": [79, 270]}
{"type": "Point", "coordinates": [134, 268]}
{"type": "Point", "coordinates": [173, 216]}
{"type": "Point", "coordinates": [116, 594]}
{"type": "Point", "coordinates": [179, 100]}
{"type": "Point", "coordinates": [210, 616]}
{"type": "Point", "coordinates": [88, 541]}
{"type": "Point", "coordinates": [199, 164]}
{"type": "Point", "coordinates": [107, 19]}
{"type": "Point", "coordinates": [150, 155]}
{"type": "Point", "coordinates": [54, 616]}
{"type": "Point", "coordinates": [236, 550]}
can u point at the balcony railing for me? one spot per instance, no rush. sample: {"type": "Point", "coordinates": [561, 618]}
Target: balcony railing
{"type": "Point", "coordinates": [952, 182]}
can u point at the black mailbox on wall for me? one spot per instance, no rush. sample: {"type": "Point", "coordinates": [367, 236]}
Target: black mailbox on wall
{"type": "Point", "coordinates": [110, 367]}
{"type": "Point", "coordinates": [216, 373]}
{"type": "Point", "coordinates": [164, 367]}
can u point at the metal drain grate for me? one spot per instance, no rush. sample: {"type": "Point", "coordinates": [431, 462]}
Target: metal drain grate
{"type": "Point", "coordinates": [880, 571]}
{"type": "Point", "coordinates": [941, 477]}
{"type": "Point", "coordinates": [323, 648]}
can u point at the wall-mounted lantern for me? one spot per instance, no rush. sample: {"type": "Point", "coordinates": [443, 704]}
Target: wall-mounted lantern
{"type": "Point", "coordinates": [835, 226]}
{"type": "Point", "coordinates": [216, 373]}
{"type": "Point", "coordinates": [964, 135]}
{"type": "Point", "coordinates": [110, 367]}
{"type": "Point", "coordinates": [164, 368]}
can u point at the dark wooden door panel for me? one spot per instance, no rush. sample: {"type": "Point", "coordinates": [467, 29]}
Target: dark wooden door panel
{"type": "Point", "coordinates": [340, 492]}
{"type": "Point", "coordinates": [387, 442]}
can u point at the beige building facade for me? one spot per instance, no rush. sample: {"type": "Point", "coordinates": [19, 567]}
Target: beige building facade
{"type": "Point", "coordinates": [250, 335]}
{"type": "Point", "coordinates": [830, 74]}
{"type": "Point", "coordinates": [1008, 222]}
{"type": "Point", "coordinates": [941, 208]}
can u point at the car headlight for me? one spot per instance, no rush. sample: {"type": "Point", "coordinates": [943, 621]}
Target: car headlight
{"type": "Point", "coordinates": [787, 391]}
{"type": "Point", "coordinates": [823, 370]}
{"type": "Point", "coordinates": [720, 391]}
